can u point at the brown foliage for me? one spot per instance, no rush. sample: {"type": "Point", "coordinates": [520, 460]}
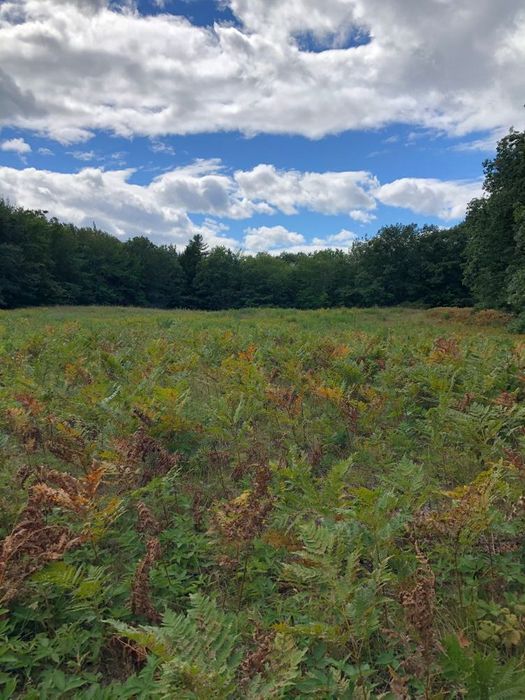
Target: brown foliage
{"type": "Point", "coordinates": [505, 399]}
{"type": "Point", "coordinates": [126, 656]}
{"type": "Point", "coordinates": [147, 523]}
{"type": "Point", "coordinates": [351, 414]}
{"type": "Point", "coordinates": [516, 459]}
{"type": "Point", "coordinates": [33, 406]}
{"type": "Point", "coordinates": [141, 603]}
{"type": "Point", "coordinates": [23, 425]}
{"type": "Point", "coordinates": [452, 313]}
{"type": "Point", "coordinates": [465, 402]}
{"type": "Point", "coordinates": [419, 604]}
{"type": "Point", "coordinates": [485, 317]}
{"type": "Point", "coordinates": [143, 459]}
{"type": "Point", "coordinates": [143, 417]}
{"type": "Point", "coordinates": [446, 347]}
{"type": "Point", "coordinates": [398, 685]}
{"type": "Point", "coordinates": [467, 514]}
{"type": "Point", "coordinates": [491, 317]}
{"type": "Point", "coordinates": [255, 660]}
{"type": "Point", "coordinates": [33, 541]}
{"type": "Point", "coordinates": [285, 398]}
{"type": "Point", "coordinates": [243, 518]}
{"type": "Point", "coordinates": [197, 509]}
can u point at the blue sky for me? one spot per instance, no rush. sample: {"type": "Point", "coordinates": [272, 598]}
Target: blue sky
{"type": "Point", "coordinates": [263, 125]}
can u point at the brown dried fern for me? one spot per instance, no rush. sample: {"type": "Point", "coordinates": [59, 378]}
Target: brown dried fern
{"type": "Point", "coordinates": [141, 603]}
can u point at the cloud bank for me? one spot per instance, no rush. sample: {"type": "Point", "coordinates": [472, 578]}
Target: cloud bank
{"type": "Point", "coordinates": [162, 209]}
{"type": "Point", "coordinates": [71, 68]}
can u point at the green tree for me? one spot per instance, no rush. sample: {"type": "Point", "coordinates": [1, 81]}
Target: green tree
{"type": "Point", "coordinates": [217, 281]}
{"type": "Point", "coordinates": [494, 261]}
{"type": "Point", "coordinates": [441, 263]}
{"type": "Point", "coordinates": [387, 267]}
{"type": "Point", "coordinates": [266, 281]}
{"type": "Point", "coordinates": [190, 260]}
{"type": "Point", "coordinates": [157, 271]}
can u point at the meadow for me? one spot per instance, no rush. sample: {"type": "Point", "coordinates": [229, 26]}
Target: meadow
{"type": "Point", "coordinates": [261, 504]}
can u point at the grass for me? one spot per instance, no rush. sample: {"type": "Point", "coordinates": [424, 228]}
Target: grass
{"type": "Point", "coordinates": [322, 503]}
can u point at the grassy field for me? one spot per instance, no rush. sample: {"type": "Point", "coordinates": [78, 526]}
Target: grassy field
{"type": "Point", "coordinates": [261, 504]}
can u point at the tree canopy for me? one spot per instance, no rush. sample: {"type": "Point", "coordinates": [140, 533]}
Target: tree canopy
{"type": "Point", "coordinates": [481, 261]}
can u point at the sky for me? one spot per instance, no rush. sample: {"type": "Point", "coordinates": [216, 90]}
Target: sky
{"type": "Point", "coordinates": [264, 125]}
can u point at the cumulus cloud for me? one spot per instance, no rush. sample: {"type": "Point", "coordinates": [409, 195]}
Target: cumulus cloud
{"type": "Point", "coordinates": [162, 208]}
{"type": "Point", "coordinates": [69, 69]}
{"type": "Point", "coordinates": [16, 146]}
{"type": "Point", "coordinates": [290, 190]}
{"type": "Point", "coordinates": [108, 199]}
{"type": "Point", "coordinates": [270, 237]}
{"type": "Point", "coordinates": [204, 187]}
{"type": "Point", "coordinates": [343, 239]}
{"type": "Point", "coordinates": [278, 239]}
{"type": "Point", "coordinates": [15, 103]}
{"type": "Point", "coordinates": [446, 200]}
{"type": "Point", "coordinates": [363, 217]}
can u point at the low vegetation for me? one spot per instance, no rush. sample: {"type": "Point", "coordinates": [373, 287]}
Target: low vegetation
{"type": "Point", "coordinates": [261, 504]}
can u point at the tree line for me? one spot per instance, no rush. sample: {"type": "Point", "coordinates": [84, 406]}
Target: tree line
{"type": "Point", "coordinates": [481, 261]}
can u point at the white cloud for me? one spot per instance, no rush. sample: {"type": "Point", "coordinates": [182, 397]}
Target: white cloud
{"type": "Point", "coordinates": [290, 190]}
{"type": "Point", "coordinates": [161, 147]}
{"type": "Point", "coordinates": [46, 152]}
{"type": "Point", "coordinates": [278, 239]}
{"type": "Point", "coordinates": [270, 237]}
{"type": "Point", "coordinates": [486, 143]}
{"type": "Point", "coordinates": [70, 68]}
{"type": "Point", "coordinates": [85, 156]}
{"type": "Point", "coordinates": [108, 199]}
{"type": "Point", "coordinates": [16, 146]}
{"type": "Point", "coordinates": [162, 208]}
{"type": "Point", "coordinates": [446, 200]}
{"type": "Point", "coordinates": [343, 239]}
{"type": "Point", "coordinates": [202, 188]}
{"type": "Point", "coordinates": [363, 217]}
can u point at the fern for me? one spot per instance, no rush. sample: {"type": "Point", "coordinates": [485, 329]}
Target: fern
{"type": "Point", "coordinates": [481, 677]}
{"type": "Point", "coordinates": [282, 670]}
{"type": "Point", "coordinates": [85, 584]}
{"type": "Point", "coordinates": [488, 679]}
{"type": "Point", "coordinates": [199, 650]}
{"type": "Point", "coordinates": [200, 654]}
{"type": "Point", "coordinates": [316, 563]}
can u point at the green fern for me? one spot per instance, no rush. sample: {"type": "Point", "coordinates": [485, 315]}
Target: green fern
{"type": "Point", "coordinates": [84, 584]}
{"type": "Point", "coordinates": [200, 653]}
{"type": "Point", "coordinates": [199, 650]}
{"type": "Point", "coordinates": [281, 672]}
{"type": "Point", "coordinates": [481, 677]}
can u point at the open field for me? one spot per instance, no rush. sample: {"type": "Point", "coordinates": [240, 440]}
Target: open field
{"type": "Point", "coordinates": [261, 504]}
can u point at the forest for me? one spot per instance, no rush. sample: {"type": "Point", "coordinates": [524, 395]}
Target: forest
{"type": "Point", "coordinates": [478, 262]}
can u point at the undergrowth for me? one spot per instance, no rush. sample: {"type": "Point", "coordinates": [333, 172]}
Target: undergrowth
{"type": "Point", "coordinates": [261, 504]}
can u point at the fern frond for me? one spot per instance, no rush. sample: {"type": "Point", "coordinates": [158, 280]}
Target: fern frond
{"type": "Point", "coordinates": [283, 668]}
{"type": "Point", "coordinates": [199, 649]}
{"type": "Point", "coordinates": [150, 638]}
